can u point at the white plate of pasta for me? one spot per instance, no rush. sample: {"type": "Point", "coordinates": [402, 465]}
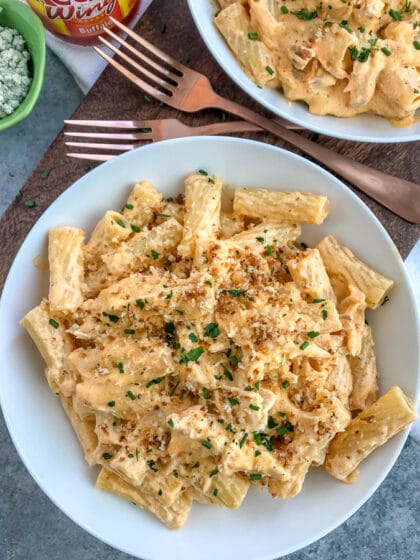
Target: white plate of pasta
{"type": "Point", "coordinates": [173, 399]}
{"type": "Point", "coordinates": [328, 60]}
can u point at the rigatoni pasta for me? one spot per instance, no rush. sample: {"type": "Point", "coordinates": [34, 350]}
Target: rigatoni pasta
{"type": "Point", "coordinates": [198, 351]}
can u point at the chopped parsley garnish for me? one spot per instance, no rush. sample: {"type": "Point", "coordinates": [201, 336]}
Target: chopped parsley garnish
{"type": "Point", "coordinates": [129, 331]}
{"type": "Point", "coordinates": [169, 296]}
{"type": "Point", "coordinates": [324, 314]}
{"type": "Point", "coordinates": [233, 361]}
{"type": "Point", "coordinates": [202, 172]}
{"type": "Point", "coordinates": [361, 29]}
{"type": "Point", "coordinates": [257, 452]}
{"type": "Point", "coordinates": [206, 443]}
{"type": "Point", "coordinates": [210, 180]}
{"type": "Point", "coordinates": [395, 15]}
{"type": "Point", "coordinates": [254, 407]}
{"type": "Point", "coordinates": [208, 283]}
{"type": "Point", "coordinates": [373, 42]}
{"type": "Point", "coordinates": [243, 439]}
{"type": "Point", "coordinates": [162, 215]}
{"type": "Point", "coordinates": [234, 293]}
{"type": "Point", "coordinates": [175, 473]}
{"type": "Point", "coordinates": [135, 228]}
{"type": "Point", "coordinates": [151, 464]}
{"type": "Point", "coordinates": [318, 300]}
{"type": "Point", "coordinates": [305, 14]}
{"type": "Point", "coordinates": [248, 388]}
{"type": "Point", "coordinates": [416, 45]}
{"type": "Point", "coordinates": [141, 303]}
{"type": "Point", "coordinates": [360, 56]}
{"type": "Point", "coordinates": [213, 473]}
{"type": "Point", "coordinates": [212, 330]}
{"type": "Point", "coordinates": [304, 246]}
{"type": "Point", "coordinates": [260, 239]}
{"type": "Point", "coordinates": [206, 393]}
{"type": "Point", "coordinates": [155, 381]}
{"type": "Point", "coordinates": [407, 6]}
{"type": "Point", "coordinates": [121, 223]}
{"type": "Point", "coordinates": [120, 367]}
{"type": "Point", "coordinates": [286, 428]}
{"type": "Point", "coordinates": [344, 25]}
{"type": "Point", "coordinates": [269, 70]}
{"type": "Point", "coordinates": [171, 423]}
{"type": "Point", "coordinates": [269, 250]}
{"type": "Point", "coordinates": [253, 36]}
{"type": "Point", "coordinates": [284, 10]}
{"type": "Point", "coordinates": [215, 492]}
{"type": "Point", "coordinates": [170, 328]}
{"type": "Point", "coordinates": [106, 456]}
{"type": "Point", "coordinates": [285, 384]}
{"type": "Point", "coordinates": [271, 423]}
{"type": "Point", "coordinates": [233, 401]}
{"type": "Point", "coordinates": [193, 337]}
{"type": "Point", "coordinates": [313, 334]}
{"type": "Point", "coordinates": [160, 492]}
{"type": "Point", "coordinates": [155, 254]}
{"type": "Point", "coordinates": [264, 439]}
{"type": "Point", "coordinates": [129, 206]}
{"type": "Point", "coordinates": [304, 345]}
{"type": "Point", "coordinates": [111, 403]}
{"type": "Point", "coordinates": [131, 395]}
{"type": "Point", "coordinates": [257, 385]}
{"type": "Point", "coordinates": [255, 476]}
{"type": "Point", "coordinates": [112, 318]}
{"type": "Point", "coordinates": [30, 203]}
{"type": "Point", "coordinates": [191, 356]}
{"type": "Point", "coordinates": [386, 51]}
{"type": "Point", "coordinates": [227, 374]}
{"type": "Point", "coordinates": [45, 173]}
{"type": "Point", "coordinates": [53, 323]}
{"type": "Point", "coordinates": [196, 465]}
{"type": "Point", "coordinates": [130, 455]}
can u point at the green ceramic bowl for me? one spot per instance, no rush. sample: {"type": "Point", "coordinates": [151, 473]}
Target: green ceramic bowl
{"type": "Point", "coordinates": [18, 16]}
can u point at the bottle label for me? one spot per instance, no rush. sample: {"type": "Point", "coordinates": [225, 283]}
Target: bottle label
{"type": "Point", "coordinates": [78, 9]}
{"type": "Point", "coordinates": [81, 18]}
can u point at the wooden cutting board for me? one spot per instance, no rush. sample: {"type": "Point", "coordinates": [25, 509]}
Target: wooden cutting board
{"type": "Point", "coordinates": [170, 26]}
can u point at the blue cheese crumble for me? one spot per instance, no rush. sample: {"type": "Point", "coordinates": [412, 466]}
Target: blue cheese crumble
{"type": "Point", "coordinates": [14, 71]}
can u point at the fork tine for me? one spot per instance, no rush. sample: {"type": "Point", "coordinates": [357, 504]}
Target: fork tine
{"type": "Point", "coordinates": [147, 88]}
{"type": "Point", "coordinates": [113, 124]}
{"type": "Point", "coordinates": [95, 157]}
{"type": "Point", "coordinates": [143, 57]}
{"type": "Point", "coordinates": [111, 135]}
{"type": "Point", "coordinates": [95, 145]}
{"type": "Point", "coordinates": [157, 52]}
{"type": "Point", "coordinates": [152, 77]}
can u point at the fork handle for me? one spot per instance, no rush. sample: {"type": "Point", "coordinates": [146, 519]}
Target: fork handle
{"type": "Point", "coordinates": [398, 195]}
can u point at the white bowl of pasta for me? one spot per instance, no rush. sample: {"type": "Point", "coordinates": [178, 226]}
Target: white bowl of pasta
{"type": "Point", "coordinates": [98, 392]}
{"type": "Point", "coordinates": [322, 50]}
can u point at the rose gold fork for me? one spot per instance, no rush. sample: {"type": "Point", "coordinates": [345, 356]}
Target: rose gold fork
{"type": "Point", "coordinates": [169, 81]}
{"type": "Point", "coordinates": [141, 131]}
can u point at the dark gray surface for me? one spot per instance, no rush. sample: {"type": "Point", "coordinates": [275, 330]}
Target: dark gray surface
{"type": "Point", "coordinates": [32, 528]}
{"type": "Point", "coordinates": [22, 145]}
